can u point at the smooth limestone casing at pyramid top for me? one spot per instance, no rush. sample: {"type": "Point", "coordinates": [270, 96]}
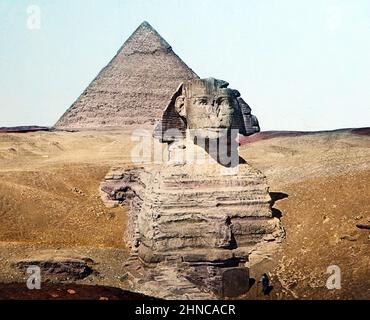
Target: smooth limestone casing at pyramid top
{"type": "Point", "coordinates": [132, 88]}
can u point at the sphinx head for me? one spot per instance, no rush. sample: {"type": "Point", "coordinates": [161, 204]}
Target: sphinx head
{"type": "Point", "coordinates": [207, 106]}
{"type": "Point", "coordinates": [208, 109]}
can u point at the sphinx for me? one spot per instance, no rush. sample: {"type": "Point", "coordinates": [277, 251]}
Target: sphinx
{"type": "Point", "coordinates": [205, 211]}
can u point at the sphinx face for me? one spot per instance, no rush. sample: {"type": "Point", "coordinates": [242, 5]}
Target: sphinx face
{"type": "Point", "coordinates": [210, 114]}
{"type": "Point", "coordinates": [208, 109]}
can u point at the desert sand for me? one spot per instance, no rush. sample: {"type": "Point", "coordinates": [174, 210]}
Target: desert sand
{"type": "Point", "coordinates": [49, 200]}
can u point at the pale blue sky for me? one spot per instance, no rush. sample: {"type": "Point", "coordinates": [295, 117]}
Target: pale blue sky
{"type": "Point", "coordinates": [300, 64]}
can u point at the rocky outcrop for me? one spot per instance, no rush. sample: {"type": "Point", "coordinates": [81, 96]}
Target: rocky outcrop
{"type": "Point", "coordinates": [58, 265]}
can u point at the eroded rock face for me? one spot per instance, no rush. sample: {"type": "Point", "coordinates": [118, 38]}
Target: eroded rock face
{"type": "Point", "coordinates": [194, 216]}
{"type": "Point", "coordinates": [182, 209]}
{"type": "Point", "coordinates": [202, 216]}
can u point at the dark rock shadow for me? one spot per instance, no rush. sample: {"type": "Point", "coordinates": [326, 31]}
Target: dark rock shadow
{"type": "Point", "coordinates": [276, 213]}
{"type": "Point", "coordinates": [242, 160]}
{"type": "Point", "coordinates": [276, 196]}
{"type": "Point", "coordinates": [252, 281]}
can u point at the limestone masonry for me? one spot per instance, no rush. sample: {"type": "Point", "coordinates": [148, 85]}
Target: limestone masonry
{"type": "Point", "coordinates": [132, 88]}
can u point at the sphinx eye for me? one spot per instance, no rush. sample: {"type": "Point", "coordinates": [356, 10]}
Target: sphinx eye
{"type": "Point", "coordinates": [223, 101]}
{"type": "Point", "coordinates": [202, 101]}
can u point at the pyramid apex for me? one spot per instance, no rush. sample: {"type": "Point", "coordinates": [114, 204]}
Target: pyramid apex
{"type": "Point", "coordinates": [145, 39]}
{"type": "Point", "coordinates": [146, 24]}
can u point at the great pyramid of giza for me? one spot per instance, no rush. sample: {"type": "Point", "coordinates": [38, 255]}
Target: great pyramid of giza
{"type": "Point", "coordinates": [134, 88]}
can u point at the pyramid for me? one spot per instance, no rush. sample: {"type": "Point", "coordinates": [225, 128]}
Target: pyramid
{"type": "Point", "coordinates": [134, 88]}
